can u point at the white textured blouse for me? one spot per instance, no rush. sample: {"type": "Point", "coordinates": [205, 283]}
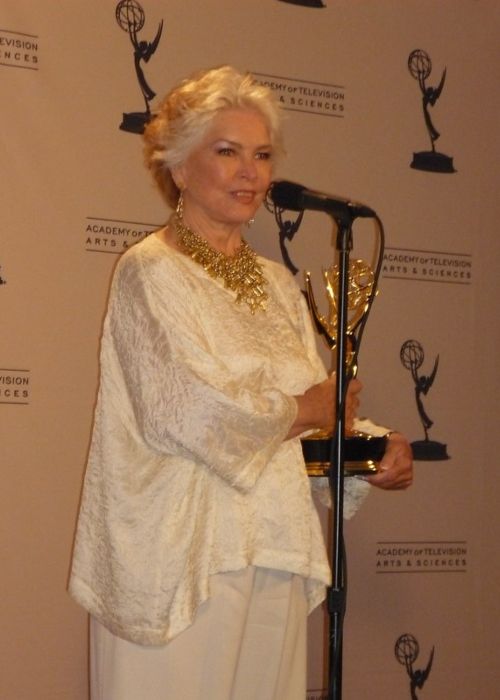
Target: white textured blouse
{"type": "Point", "coordinates": [189, 473]}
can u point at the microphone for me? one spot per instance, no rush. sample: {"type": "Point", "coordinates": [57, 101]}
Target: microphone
{"type": "Point", "coordinates": [290, 195]}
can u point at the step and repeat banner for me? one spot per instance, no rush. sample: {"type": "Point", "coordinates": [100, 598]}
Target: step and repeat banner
{"type": "Point", "coordinates": [391, 104]}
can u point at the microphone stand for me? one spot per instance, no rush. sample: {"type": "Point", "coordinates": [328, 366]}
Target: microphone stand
{"type": "Point", "coordinates": [283, 195]}
{"type": "Point", "coordinates": [337, 592]}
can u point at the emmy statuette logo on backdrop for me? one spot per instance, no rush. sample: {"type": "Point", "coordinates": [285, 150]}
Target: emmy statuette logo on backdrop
{"type": "Point", "coordinates": [130, 17]}
{"type": "Point", "coordinates": [287, 229]}
{"type": "Point", "coordinates": [406, 651]}
{"type": "Point", "coordinates": [412, 358]}
{"type": "Point", "coordinates": [420, 67]}
{"type": "Point", "coordinates": [306, 3]}
{"type": "Point", "coordinates": [2, 280]}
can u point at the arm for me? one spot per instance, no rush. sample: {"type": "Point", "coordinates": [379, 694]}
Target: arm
{"type": "Point", "coordinates": [174, 394]}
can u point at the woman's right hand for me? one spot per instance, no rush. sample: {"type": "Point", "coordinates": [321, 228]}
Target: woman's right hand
{"type": "Point", "coordinates": [316, 407]}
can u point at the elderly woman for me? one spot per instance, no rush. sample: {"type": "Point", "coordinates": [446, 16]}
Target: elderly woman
{"type": "Point", "coordinates": [199, 551]}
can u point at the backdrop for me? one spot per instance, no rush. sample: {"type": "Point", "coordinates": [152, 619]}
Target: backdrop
{"type": "Point", "coordinates": [367, 87]}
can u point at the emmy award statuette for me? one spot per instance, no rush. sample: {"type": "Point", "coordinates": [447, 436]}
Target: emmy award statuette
{"type": "Point", "coordinates": [420, 67]}
{"type": "Point", "coordinates": [363, 452]}
{"type": "Point", "coordinates": [130, 17]}
{"type": "Point", "coordinates": [412, 358]}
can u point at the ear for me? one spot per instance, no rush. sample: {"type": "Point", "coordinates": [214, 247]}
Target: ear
{"type": "Point", "coordinates": [179, 177]}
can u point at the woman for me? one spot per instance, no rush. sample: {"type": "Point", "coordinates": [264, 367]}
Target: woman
{"type": "Point", "coordinates": [199, 551]}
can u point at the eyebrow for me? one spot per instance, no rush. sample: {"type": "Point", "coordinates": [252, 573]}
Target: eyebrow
{"type": "Point", "coordinates": [237, 143]}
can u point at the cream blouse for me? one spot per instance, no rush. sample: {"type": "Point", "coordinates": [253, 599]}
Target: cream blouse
{"type": "Point", "coordinates": [189, 473]}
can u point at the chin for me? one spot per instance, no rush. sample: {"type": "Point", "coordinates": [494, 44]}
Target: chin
{"type": "Point", "coordinates": [242, 218]}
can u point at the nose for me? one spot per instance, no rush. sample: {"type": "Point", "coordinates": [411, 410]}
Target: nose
{"type": "Point", "coordinates": [248, 168]}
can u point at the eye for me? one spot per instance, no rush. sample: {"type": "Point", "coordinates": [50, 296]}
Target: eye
{"type": "Point", "coordinates": [263, 155]}
{"type": "Point", "coordinates": [225, 151]}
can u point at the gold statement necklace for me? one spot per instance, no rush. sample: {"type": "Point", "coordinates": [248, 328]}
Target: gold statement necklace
{"type": "Point", "coordinates": [241, 272]}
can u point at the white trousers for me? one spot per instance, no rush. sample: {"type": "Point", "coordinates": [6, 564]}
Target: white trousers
{"type": "Point", "coordinates": [248, 642]}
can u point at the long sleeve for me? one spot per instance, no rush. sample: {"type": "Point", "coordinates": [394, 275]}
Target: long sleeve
{"type": "Point", "coordinates": [184, 400]}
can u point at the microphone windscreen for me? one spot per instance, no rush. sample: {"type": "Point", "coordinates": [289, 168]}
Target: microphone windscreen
{"type": "Point", "coordinates": [287, 195]}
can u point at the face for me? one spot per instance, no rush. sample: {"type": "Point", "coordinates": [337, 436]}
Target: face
{"type": "Point", "coordinates": [225, 178]}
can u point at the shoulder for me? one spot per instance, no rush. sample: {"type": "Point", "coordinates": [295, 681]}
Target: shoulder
{"type": "Point", "coordinates": [139, 254]}
{"type": "Point", "coordinates": [143, 271]}
{"type": "Point", "coordinates": [146, 260]}
{"type": "Point", "coordinates": [159, 278]}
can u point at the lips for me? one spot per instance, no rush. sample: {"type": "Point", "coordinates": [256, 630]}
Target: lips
{"type": "Point", "coordinates": [244, 196]}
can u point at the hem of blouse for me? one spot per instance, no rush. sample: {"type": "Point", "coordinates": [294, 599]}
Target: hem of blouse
{"type": "Point", "coordinates": [316, 575]}
{"type": "Point", "coordinates": [311, 571]}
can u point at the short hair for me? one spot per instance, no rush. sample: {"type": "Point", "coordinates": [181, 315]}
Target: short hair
{"type": "Point", "coordinates": [187, 111]}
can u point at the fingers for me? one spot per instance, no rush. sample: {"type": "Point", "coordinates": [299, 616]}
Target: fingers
{"type": "Point", "coordinates": [355, 386]}
{"type": "Point", "coordinates": [391, 480]}
{"type": "Point", "coordinates": [352, 403]}
{"type": "Point", "coordinates": [322, 398]}
{"type": "Point", "coordinates": [396, 468]}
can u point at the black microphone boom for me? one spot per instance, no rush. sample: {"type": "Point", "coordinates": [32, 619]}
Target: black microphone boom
{"type": "Point", "coordinates": [290, 195]}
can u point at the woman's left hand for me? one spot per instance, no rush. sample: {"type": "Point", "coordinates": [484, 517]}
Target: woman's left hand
{"type": "Point", "coordinates": [396, 467]}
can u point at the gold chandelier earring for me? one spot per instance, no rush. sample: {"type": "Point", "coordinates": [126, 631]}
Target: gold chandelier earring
{"type": "Point", "coordinates": [179, 210]}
